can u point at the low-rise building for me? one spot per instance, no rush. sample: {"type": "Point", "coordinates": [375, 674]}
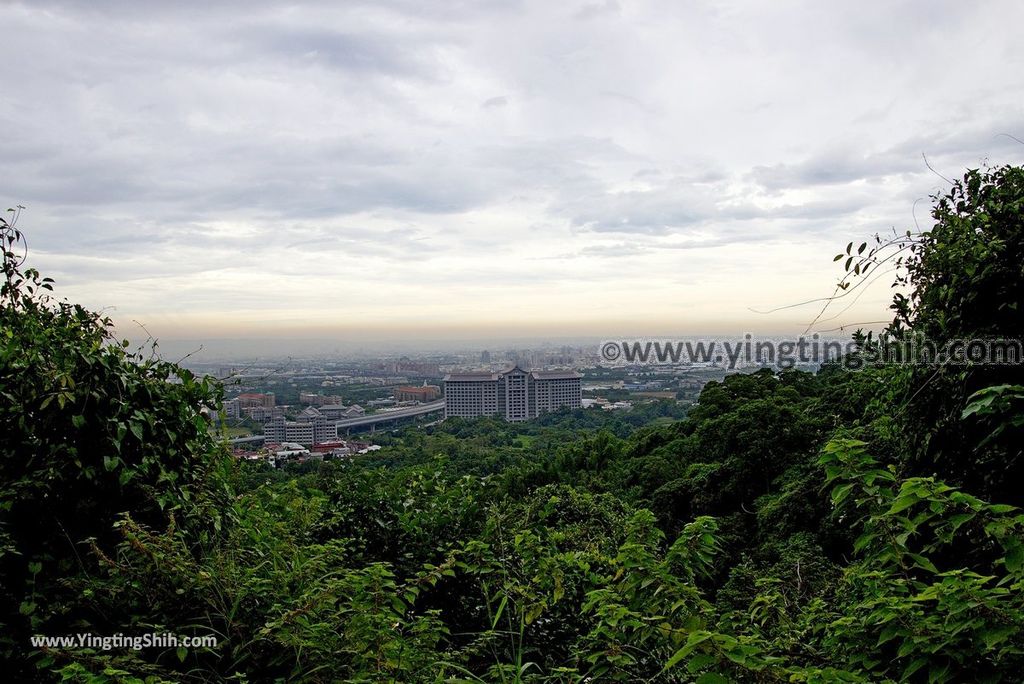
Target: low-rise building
{"type": "Point", "coordinates": [311, 428]}
{"type": "Point", "coordinates": [339, 412]}
{"type": "Point", "coordinates": [315, 399]}
{"type": "Point", "coordinates": [262, 414]}
{"type": "Point", "coordinates": [422, 394]}
{"type": "Point", "coordinates": [252, 399]}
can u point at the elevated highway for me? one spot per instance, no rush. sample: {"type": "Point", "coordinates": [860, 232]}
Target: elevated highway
{"type": "Point", "coordinates": [347, 424]}
{"type": "Point", "coordinates": [388, 416]}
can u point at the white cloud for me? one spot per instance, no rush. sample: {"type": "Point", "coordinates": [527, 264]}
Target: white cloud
{"type": "Point", "coordinates": [192, 163]}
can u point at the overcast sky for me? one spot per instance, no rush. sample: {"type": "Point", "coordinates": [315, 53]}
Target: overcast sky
{"type": "Point", "coordinates": [414, 168]}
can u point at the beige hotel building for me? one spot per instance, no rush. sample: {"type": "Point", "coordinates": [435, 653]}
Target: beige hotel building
{"type": "Point", "coordinates": [515, 394]}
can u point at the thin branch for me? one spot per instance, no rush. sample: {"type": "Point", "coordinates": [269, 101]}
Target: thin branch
{"type": "Point", "coordinates": [913, 213]}
{"type": "Point", "coordinates": [859, 295]}
{"type": "Point", "coordinates": [848, 291]}
{"type": "Point", "coordinates": [189, 355]}
{"type": "Point", "coordinates": [152, 341]}
{"type": "Point", "coordinates": [920, 389]}
{"type": "Point", "coordinates": [1011, 137]}
{"type": "Point", "coordinates": [926, 163]}
{"type": "Point", "coordinates": [850, 325]}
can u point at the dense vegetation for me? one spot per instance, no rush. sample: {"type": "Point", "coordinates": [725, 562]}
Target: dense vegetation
{"type": "Point", "coordinates": [841, 526]}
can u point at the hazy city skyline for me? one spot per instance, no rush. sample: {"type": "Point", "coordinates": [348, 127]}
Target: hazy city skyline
{"type": "Point", "coordinates": [524, 170]}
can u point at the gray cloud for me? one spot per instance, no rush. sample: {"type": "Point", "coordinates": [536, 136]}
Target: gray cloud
{"type": "Point", "coordinates": [597, 9]}
{"type": "Point", "coordinates": [835, 167]}
{"type": "Point", "coordinates": [153, 141]}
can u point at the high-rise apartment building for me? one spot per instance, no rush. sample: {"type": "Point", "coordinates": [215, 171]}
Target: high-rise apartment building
{"type": "Point", "coordinates": [515, 394]}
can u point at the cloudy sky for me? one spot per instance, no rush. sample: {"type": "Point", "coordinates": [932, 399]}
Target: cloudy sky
{"type": "Point", "coordinates": [423, 169]}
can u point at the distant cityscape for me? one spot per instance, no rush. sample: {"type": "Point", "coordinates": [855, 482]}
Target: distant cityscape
{"type": "Point", "coordinates": [297, 409]}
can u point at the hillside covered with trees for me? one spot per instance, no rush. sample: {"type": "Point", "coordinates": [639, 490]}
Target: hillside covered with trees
{"type": "Point", "coordinates": [845, 526]}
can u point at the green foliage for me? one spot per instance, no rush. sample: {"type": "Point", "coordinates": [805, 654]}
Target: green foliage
{"type": "Point", "coordinates": [938, 587]}
{"type": "Point", "coordinates": [281, 606]}
{"type": "Point", "coordinates": [836, 527]}
{"type": "Point", "coordinates": [999, 407]}
{"type": "Point", "coordinates": [964, 280]}
{"type": "Point", "coordinates": [91, 429]}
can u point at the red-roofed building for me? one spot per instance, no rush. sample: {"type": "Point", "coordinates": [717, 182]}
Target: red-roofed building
{"type": "Point", "coordinates": [253, 399]}
{"type": "Point", "coordinates": [423, 394]}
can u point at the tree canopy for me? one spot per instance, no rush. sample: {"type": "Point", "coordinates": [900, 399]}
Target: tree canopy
{"type": "Point", "coordinates": [843, 526]}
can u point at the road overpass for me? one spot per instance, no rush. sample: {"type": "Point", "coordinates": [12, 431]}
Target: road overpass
{"type": "Point", "coordinates": [388, 416]}
{"type": "Point", "coordinates": [370, 420]}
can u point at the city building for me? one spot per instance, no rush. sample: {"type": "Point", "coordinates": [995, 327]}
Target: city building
{"type": "Point", "coordinates": [422, 394]}
{"type": "Point", "coordinates": [232, 409]}
{"type": "Point", "coordinates": [310, 428]}
{"type": "Point", "coordinates": [551, 390]}
{"type": "Point", "coordinates": [335, 449]}
{"type": "Point", "coordinates": [315, 399]}
{"type": "Point", "coordinates": [515, 395]}
{"type": "Point", "coordinates": [470, 395]}
{"type": "Point", "coordinates": [339, 412]}
{"type": "Point", "coordinates": [261, 414]}
{"type": "Point", "coordinates": [290, 450]}
{"type": "Point", "coordinates": [252, 399]}
{"type": "Point", "coordinates": [413, 369]}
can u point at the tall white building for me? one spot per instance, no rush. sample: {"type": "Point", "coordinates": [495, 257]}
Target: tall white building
{"type": "Point", "coordinates": [515, 395]}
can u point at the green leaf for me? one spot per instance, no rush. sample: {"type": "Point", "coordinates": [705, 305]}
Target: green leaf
{"type": "Point", "coordinates": [701, 660]}
{"type": "Point", "coordinates": [712, 678]}
{"type": "Point", "coordinates": [913, 667]}
{"type": "Point", "coordinates": [696, 638]}
{"type": "Point", "coordinates": [1015, 558]}
{"type": "Point", "coordinates": [923, 562]}
{"type": "Point", "coordinates": [501, 609]}
{"type": "Point", "coordinates": [903, 503]}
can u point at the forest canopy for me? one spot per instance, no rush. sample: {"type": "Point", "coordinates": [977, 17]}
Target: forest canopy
{"type": "Point", "coordinates": [843, 526]}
